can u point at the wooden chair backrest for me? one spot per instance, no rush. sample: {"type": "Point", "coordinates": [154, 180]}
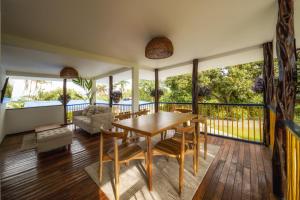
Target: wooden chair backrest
{"type": "Point", "coordinates": [199, 119]}
{"type": "Point", "coordinates": [185, 129]}
{"type": "Point", "coordinates": [124, 115]}
{"type": "Point", "coordinates": [112, 134]}
{"type": "Point", "coordinates": [182, 110]}
{"type": "Point", "coordinates": [141, 112]}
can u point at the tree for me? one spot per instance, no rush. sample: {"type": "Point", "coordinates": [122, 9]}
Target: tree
{"type": "Point", "coordinates": [145, 88]}
{"type": "Point", "coordinates": [122, 85]}
{"type": "Point", "coordinates": [87, 85]}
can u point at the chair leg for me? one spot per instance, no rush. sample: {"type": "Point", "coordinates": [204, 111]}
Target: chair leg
{"type": "Point", "coordinates": [101, 158]}
{"type": "Point", "coordinates": [181, 168]}
{"type": "Point", "coordinates": [117, 179]}
{"type": "Point", "coordinates": [117, 168]}
{"type": "Point", "coordinates": [195, 160]}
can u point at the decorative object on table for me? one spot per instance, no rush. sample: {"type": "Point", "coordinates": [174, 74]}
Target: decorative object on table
{"type": "Point", "coordinates": [61, 98]}
{"type": "Point", "coordinates": [159, 48]}
{"type": "Point", "coordinates": [87, 85]}
{"type": "Point", "coordinates": [68, 72]}
{"type": "Point", "coordinates": [160, 93]}
{"type": "Point", "coordinates": [203, 91]}
{"type": "Point", "coordinates": [258, 86]}
{"type": "Point", "coordinates": [116, 96]}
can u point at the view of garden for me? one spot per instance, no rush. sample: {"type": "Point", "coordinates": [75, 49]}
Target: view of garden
{"type": "Point", "coordinates": [231, 97]}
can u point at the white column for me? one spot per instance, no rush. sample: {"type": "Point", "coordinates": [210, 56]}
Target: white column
{"type": "Point", "coordinates": [135, 89]}
{"type": "Point", "coordinates": [94, 91]}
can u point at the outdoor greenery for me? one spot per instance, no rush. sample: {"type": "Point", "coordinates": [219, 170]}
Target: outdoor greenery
{"type": "Point", "coordinates": [87, 85]}
{"type": "Point", "coordinates": [227, 85]}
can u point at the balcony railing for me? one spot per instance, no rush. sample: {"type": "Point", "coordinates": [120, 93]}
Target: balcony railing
{"type": "Point", "coordinates": [293, 160]}
{"type": "Point", "coordinates": [240, 121]}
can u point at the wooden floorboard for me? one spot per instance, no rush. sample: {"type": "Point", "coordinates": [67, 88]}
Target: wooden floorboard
{"type": "Point", "coordinates": [239, 171]}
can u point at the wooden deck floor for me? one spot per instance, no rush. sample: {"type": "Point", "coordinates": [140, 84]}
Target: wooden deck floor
{"type": "Point", "coordinates": [239, 171]}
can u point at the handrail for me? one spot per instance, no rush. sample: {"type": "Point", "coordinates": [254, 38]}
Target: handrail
{"type": "Point", "coordinates": [293, 159]}
{"type": "Point", "coordinates": [219, 104]}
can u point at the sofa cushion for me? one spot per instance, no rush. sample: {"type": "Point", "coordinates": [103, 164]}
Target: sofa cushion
{"type": "Point", "coordinates": [83, 119]}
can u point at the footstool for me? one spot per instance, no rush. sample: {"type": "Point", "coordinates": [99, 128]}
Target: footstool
{"type": "Point", "coordinates": [54, 138]}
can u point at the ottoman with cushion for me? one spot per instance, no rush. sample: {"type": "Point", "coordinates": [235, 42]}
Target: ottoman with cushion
{"type": "Point", "coordinates": [54, 138]}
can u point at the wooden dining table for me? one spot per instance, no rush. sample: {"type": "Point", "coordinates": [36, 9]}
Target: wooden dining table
{"type": "Point", "coordinates": [151, 125]}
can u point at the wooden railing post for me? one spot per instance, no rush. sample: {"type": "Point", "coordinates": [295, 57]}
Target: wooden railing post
{"type": "Point", "coordinates": [195, 86]}
{"type": "Point", "coordinates": [65, 100]}
{"type": "Point", "coordinates": [110, 90]}
{"type": "Point", "coordinates": [156, 100]}
{"type": "Point", "coordinates": [268, 76]}
{"type": "Point", "coordinates": [286, 90]}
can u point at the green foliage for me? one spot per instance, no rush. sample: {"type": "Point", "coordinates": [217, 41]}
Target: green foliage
{"type": "Point", "coordinates": [232, 84]}
{"type": "Point", "coordinates": [54, 95]}
{"type": "Point", "coordinates": [87, 85]}
{"type": "Point", "coordinates": [9, 90]}
{"type": "Point", "coordinates": [102, 92]}
{"type": "Point", "coordinates": [178, 89]}
{"type": "Point", "coordinates": [227, 85]}
{"type": "Point", "coordinates": [17, 104]}
{"type": "Point", "coordinates": [145, 88]}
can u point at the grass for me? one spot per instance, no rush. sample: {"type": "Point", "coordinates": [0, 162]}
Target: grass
{"type": "Point", "coordinates": [237, 129]}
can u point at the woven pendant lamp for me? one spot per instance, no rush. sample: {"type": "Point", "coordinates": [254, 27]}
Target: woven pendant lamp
{"type": "Point", "coordinates": [68, 72]}
{"type": "Point", "coordinates": [159, 48]}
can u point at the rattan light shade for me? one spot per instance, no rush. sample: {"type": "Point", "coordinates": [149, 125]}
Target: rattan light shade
{"type": "Point", "coordinates": [68, 72]}
{"type": "Point", "coordinates": [159, 48]}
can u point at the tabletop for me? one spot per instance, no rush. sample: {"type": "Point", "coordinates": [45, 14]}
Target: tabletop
{"type": "Point", "coordinates": [152, 124]}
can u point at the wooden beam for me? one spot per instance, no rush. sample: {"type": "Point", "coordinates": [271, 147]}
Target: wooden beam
{"type": "Point", "coordinates": [110, 89]}
{"type": "Point", "coordinates": [111, 73]}
{"type": "Point", "coordinates": [269, 88]}
{"type": "Point", "coordinates": [156, 99]}
{"type": "Point", "coordinates": [286, 90]}
{"type": "Point", "coordinates": [195, 86]}
{"type": "Point", "coordinates": [65, 100]}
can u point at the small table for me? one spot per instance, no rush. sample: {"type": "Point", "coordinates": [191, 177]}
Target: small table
{"type": "Point", "coordinates": [151, 125]}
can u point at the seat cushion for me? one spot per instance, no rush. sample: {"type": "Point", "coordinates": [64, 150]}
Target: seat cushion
{"type": "Point", "coordinates": [53, 134]}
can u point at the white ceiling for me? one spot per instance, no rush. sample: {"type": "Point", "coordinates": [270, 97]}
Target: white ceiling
{"type": "Point", "coordinates": [32, 61]}
{"type": "Point", "coordinates": [121, 29]}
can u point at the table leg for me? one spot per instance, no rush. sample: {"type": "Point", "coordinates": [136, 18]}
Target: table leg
{"type": "Point", "coordinates": [149, 162]}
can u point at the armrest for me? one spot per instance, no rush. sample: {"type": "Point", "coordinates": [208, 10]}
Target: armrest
{"type": "Point", "coordinates": [102, 120]}
{"type": "Point", "coordinates": [77, 113]}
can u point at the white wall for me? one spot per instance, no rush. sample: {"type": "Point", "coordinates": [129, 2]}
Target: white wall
{"type": "Point", "coordinates": [26, 119]}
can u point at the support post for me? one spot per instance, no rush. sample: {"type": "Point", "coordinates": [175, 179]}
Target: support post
{"type": "Point", "coordinates": [65, 100]}
{"type": "Point", "coordinates": [286, 91]}
{"type": "Point", "coordinates": [135, 89]}
{"type": "Point", "coordinates": [156, 100]}
{"type": "Point", "coordinates": [195, 86]}
{"type": "Point", "coordinates": [110, 90]}
{"type": "Point", "coordinates": [94, 92]}
{"type": "Point", "coordinates": [269, 94]}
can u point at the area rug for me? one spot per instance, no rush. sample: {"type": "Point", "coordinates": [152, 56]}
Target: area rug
{"type": "Point", "coordinates": [133, 182]}
{"type": "Point", "coordinates": [28, 142]}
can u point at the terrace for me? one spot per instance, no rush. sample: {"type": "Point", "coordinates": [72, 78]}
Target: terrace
{"type": "Point", "coordinates": [253, 147]}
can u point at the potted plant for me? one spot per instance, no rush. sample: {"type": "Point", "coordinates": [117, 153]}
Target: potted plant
{"type": "Point", "coordinates": [116, 96]}
{"type": "Point", "coordinates": [258, 86]}
{"type": "Point", "coordinates": [61, 98]}
{"type": "Point", "coordinates": [203, 91]}
{"type": "Point", "coordinates": [160, 93]}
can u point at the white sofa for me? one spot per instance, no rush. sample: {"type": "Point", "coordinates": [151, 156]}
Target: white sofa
{"type": "Point", "coordinates": [92, 118]}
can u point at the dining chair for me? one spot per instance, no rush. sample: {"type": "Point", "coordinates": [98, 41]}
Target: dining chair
{"type": "Point", "coordinates": [120, 154]}
{"type": "Point", "coordinates": [175, 148]}
{"type": "Point", "coordinates": [202, 138]}
{"type": "Point", "coordinates": [141, 112]}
